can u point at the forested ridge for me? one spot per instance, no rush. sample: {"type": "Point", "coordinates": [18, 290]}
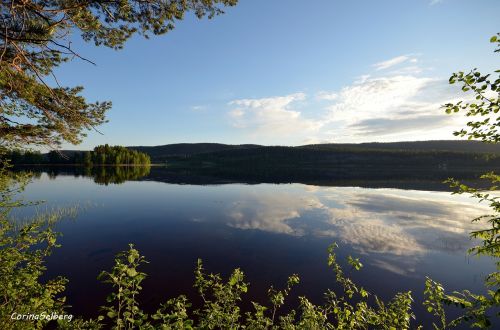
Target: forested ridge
{"type": "Point", "coordinates": [166, 152]}
{"type": "Point", "coordinates": [426, 154]}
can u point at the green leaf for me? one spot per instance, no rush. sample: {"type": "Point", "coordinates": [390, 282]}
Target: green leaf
{"type": "Point", "coordinates": [131, 272]}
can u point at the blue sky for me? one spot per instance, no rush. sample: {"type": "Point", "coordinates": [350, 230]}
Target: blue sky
{"type": "Point", "coordinates": [290, 72]}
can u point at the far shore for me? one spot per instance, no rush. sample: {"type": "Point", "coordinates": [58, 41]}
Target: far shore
{"type": "Point", "coordinates": [92, 165]}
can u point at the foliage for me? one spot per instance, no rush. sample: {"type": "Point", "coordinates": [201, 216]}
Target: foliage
{"type": "Point", "coordinates": [114, 155]}
{"type": "Point", "coordinates": [127, 281]}
{"type": "Point", "coordinates": [477, 308]}
{"type": "Point", "coordinates": [10, 184]}
{"type": "Point", "coordinates": [486, 104]}
{"type": "Point", "coordinates": [23, 250]}
{"type": "Point", "coordinates": [489, 237]}
{"type": "Point", "coordinates": [35, 38]}
{"type": "Point", "coordinates": [21, 267]}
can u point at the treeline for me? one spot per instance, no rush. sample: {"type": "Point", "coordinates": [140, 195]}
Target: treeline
{"type": "Point", "coordinates": [319, 158]}
{"type": "Point", "coordinates": [26, 157]}
{"type": "Point", "coordinates": [101, 155]}
{"type": "Point", "coordinates": [185, 150]}
{"type": "Point", "coordinates": [113, 155]}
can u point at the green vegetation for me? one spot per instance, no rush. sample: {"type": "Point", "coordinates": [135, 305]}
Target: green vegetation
{"type": "Point", "coordinates": [486, 93]}
{"type": "Point", "coordinates": [101, 155]}
{"type": "Point", "coordinates": [477, 308]}
{"type": "Point", "coordinates": [106, 155]}
{"type": "Point", "coordinates": [22, 255]}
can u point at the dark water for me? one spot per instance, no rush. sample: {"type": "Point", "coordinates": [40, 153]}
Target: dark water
{"type": "Point", "coordinates": [268, 230]}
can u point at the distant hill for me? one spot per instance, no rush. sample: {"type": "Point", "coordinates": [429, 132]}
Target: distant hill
{"type": "Point", "coordinates": [161, 153]}
{"type": "Point", "coordinates": [180, 150]}
{"type": "Point", "coordinates": [433, 160]}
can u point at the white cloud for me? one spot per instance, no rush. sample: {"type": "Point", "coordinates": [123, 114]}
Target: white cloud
{"type": "Point", "coordinates": [272, 116]}
{"type": "Point", "coordinates": [237, 113]}
{"type": "Point", "coordinates": [392, 107]}
{"type": "Point", "coordinates": [328, 96]}
{"type": "Point", "coordinates": [361, 79]}
{"type": "Point", "coordinates": [314, 140]}
{"type": "Point", "coordinates": [392, 62]}
{"type": "Point", "coordinates": [376, 95]}
{"type": "Point", "coordinates": [400, 104]}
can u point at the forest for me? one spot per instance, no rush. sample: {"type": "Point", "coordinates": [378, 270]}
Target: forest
{"type": "Point", "coordinates": [101, 155]}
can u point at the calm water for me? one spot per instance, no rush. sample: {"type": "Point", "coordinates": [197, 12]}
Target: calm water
{"type": "Point", "coordinates": [268, 230]}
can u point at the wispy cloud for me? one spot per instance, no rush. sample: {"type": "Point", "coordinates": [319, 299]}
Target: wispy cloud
{"type": "Point", "coordinates": [400, 105]}
{"type": "Point", "coordinates": [387, 126]}
{"type": "Point", "coordinates": [392, 62]}
{"type": "Point", "coordinates": [199, 108]}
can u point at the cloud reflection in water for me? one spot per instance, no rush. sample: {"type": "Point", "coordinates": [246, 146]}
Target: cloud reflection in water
{"type": "Point", "coordinates": [388, 224]}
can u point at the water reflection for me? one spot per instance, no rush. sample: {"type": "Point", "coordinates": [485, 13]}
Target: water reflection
{"type": "Point", "coordinates": [403, 222]}
{"type": "Point", "coordinates": [273, 212]}
{"type": "Point", "coordinates": [116, 174]}
{"type": "Point", "coordinates": [268, 230]}
{"type": "Point", "coordinates": [103, 175]}
{"type": "Point", "coordinates": [388, 223]}
{"type": "Point", "coordinates": [377, 178]}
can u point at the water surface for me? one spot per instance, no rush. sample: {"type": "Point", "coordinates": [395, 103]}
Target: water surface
{"type": "Point", "coordinates": [268, 230]}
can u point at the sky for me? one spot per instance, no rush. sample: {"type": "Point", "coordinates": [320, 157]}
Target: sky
{"type": "Point", "coordinates": [291, 72]}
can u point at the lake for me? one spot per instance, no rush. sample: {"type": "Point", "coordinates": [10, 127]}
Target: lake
{"type": "Point", "coordinates": [268, 230]}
